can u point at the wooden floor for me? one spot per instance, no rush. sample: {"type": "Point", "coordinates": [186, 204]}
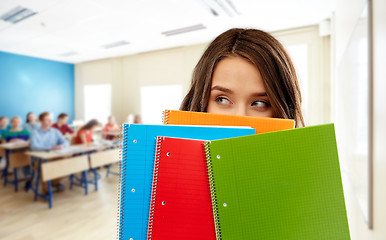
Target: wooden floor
{"type": "Point", "coordinates": [73, 216]}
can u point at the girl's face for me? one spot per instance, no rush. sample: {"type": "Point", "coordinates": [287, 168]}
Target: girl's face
{"type": "Point", "coordinates": [32, 117]}
{"type": "Point", "coordinates": [110, 120]}
{"type": "Point", "coordinates": [15, 122]}
{"type": "Point", "coordinates": [238, 89]}
{"type": "Point", "coordinates": [4, 123]}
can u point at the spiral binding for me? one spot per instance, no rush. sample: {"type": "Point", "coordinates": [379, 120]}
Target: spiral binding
{"type": "Point", "coordinates": [165, 116]}
{"type": "Point", "coordinates": [122, 181]}
{"type": "Point", "coordinates": [154, 188]}
{"type": "Point", "coordinates": [212, 190]}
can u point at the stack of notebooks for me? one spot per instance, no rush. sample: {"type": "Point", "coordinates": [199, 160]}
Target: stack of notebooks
{"type": "Point", "coordinates": [212, 176]}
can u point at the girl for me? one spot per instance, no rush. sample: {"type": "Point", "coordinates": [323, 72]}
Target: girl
{"type": "Point", "coordinates": [84, 135]}
{"type": "Point", "coordinates": [31, 123]}
{"type": "Point", "coordinates": [245, 72]}
{"type": "Point", "coordinates": [110, 127]}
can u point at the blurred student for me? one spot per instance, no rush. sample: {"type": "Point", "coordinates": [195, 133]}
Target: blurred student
{"type": "Point", "coordinates": [111, 126]}
{"type": "Point", "coordinates": [4, 125]}
{"type": "Point", "coordinates": [31, 123]}
{"type": "Point", "coordinates": [61, 124]}
{"type": "Point", "coordinates": [46, 137]}
{"type": "Point", "coordinates": [15, 133]}
{"type": "Point", "coordinates": [130, 119]}
{"type": "Point", "coordinates": [84, 135]}
{"type": "Point", "coordinates": [137, 119]}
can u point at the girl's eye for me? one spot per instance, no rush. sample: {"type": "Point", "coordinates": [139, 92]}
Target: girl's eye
{"type": "Point", "coordinates": [222, 100]}
{"type": "Point", "coordinates": [260, 104]}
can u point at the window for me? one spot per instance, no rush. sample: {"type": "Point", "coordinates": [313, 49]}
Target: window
{"type": "Point", "coordinates": [97, 102]}
{"type": "Point", "coordinates": [299, 56]}
{"type": "Point", "coordinates": [155, 99]}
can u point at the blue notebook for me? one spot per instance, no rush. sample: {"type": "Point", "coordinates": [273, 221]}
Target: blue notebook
{"type": "Point", "coordinates": [138, 152]}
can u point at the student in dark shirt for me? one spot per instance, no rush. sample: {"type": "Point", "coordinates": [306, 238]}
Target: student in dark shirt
{"type": "Point", "coordinates": [61, 124]}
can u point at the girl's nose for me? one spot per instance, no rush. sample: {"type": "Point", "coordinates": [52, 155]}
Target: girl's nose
{"type": "Point", "coordinates": [241, 110]}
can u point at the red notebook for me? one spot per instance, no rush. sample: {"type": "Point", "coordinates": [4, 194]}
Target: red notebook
{"type": "Point", "coordinates": [181, 206]}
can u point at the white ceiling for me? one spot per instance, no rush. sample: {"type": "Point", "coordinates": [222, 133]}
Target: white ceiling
{"type": "Point", "coordinates": [84, 26]}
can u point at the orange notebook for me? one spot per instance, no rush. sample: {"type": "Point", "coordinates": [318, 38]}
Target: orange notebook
{"type": "Point", "coordinates": [260, 124]}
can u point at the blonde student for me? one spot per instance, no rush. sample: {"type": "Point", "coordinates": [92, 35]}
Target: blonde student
{"type": "Point", "coordinates": [15, 133]}
{"type": "Point", "coordinates": [245, 72]}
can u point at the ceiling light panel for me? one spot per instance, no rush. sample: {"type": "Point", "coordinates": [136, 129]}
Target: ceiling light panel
{"type": "Point", "coordinates": [68, 54]}
{"type": "Point", "coordinates": [17, 14]}
{"type": "Point", "coordinates": [184, 30]}
{"type": "Point", "coordinates": [115, 44]}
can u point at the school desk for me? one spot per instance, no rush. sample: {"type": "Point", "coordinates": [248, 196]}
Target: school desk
{"type": "Point", "coordinates": [14, 152]}
{"type": "Point", "coordinates": [67, 156]}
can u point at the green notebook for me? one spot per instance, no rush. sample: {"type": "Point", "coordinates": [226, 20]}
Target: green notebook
{"type": "Point", "coordinates": [278, 185]}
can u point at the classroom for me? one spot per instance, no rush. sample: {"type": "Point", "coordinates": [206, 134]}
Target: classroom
{"type": "Point", "coordinates": [75, 74]}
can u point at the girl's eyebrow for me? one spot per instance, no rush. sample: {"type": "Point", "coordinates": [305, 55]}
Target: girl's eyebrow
{"type": "Point", "coordinates": [223, 89]}
{"type": "Point", "coordinates": [227, 90]}
{"type": "Point", "coordinates": [263, 94]}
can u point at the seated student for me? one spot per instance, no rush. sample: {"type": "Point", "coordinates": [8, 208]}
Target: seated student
{"type": "Point", "coordinates": [46, 137]}
{"type": "Point", "coordinates": [138, 119]}
{"type": "Point", "coordinates": [130, 119]}
{"type": "Point", "coordinates": [111, 126]}
{"type": "Point", "coordinates": [84, 135]}
{"type": "Point", "coordinates": [62, 126]}
{"type": "Point", "coordinates": [31, 122]}
{"type": "Point", "coordinates": [15, 133]}
{"type": "Point", "coordinates": [4, 125]}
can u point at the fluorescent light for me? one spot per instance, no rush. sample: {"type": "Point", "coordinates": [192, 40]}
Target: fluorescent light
{"type": "Point", "coordinates": [222, 6]}
{"type": "Point", "coordinates": [68, 54]}
{"type": "Point", "coordinates": [115, 44]}
{"type": "Point", "coordinates": [17, 14]}
{"type": "Point", "coordinates": [184, 30]}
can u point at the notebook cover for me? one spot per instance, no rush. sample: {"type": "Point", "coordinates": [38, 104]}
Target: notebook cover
{"type": "Point", "coordinates": [138, 152]}
{"type": "Point", "coordinates": [260, 124]}
{"type": "Point", "coordinates": [181, 206]}
{"type": "Point", "coordinates": [280, 185]}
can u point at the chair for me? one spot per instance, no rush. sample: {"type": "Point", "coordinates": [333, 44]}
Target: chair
{"type": "Point", "coordinates": [99, 159]}
{"type": "Point", "coordinates": [2, 154]}
{"type": "Point", "coordinates": [16, 160]}
{"type": "Point", "coordinates": [64, 167]}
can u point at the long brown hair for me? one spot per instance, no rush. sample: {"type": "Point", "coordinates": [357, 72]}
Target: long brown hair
{"type": "Point", "coordinates": [267, 54]}
{"type": "Point", "coordinates": [90, 124]}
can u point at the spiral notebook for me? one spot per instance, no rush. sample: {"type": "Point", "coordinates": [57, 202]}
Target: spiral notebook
{"type": "Point", "coordinates": [138, 152]}
{"type": "Point", "coordinates": [260, 124]}
{"type": "Point", "coordinates": [279, 185]}
{"type": "Point", "coordinates": [181, 206]}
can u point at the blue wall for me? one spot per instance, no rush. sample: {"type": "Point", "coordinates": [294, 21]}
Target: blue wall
{"type": "Point", "coordinates": [29, 84]}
